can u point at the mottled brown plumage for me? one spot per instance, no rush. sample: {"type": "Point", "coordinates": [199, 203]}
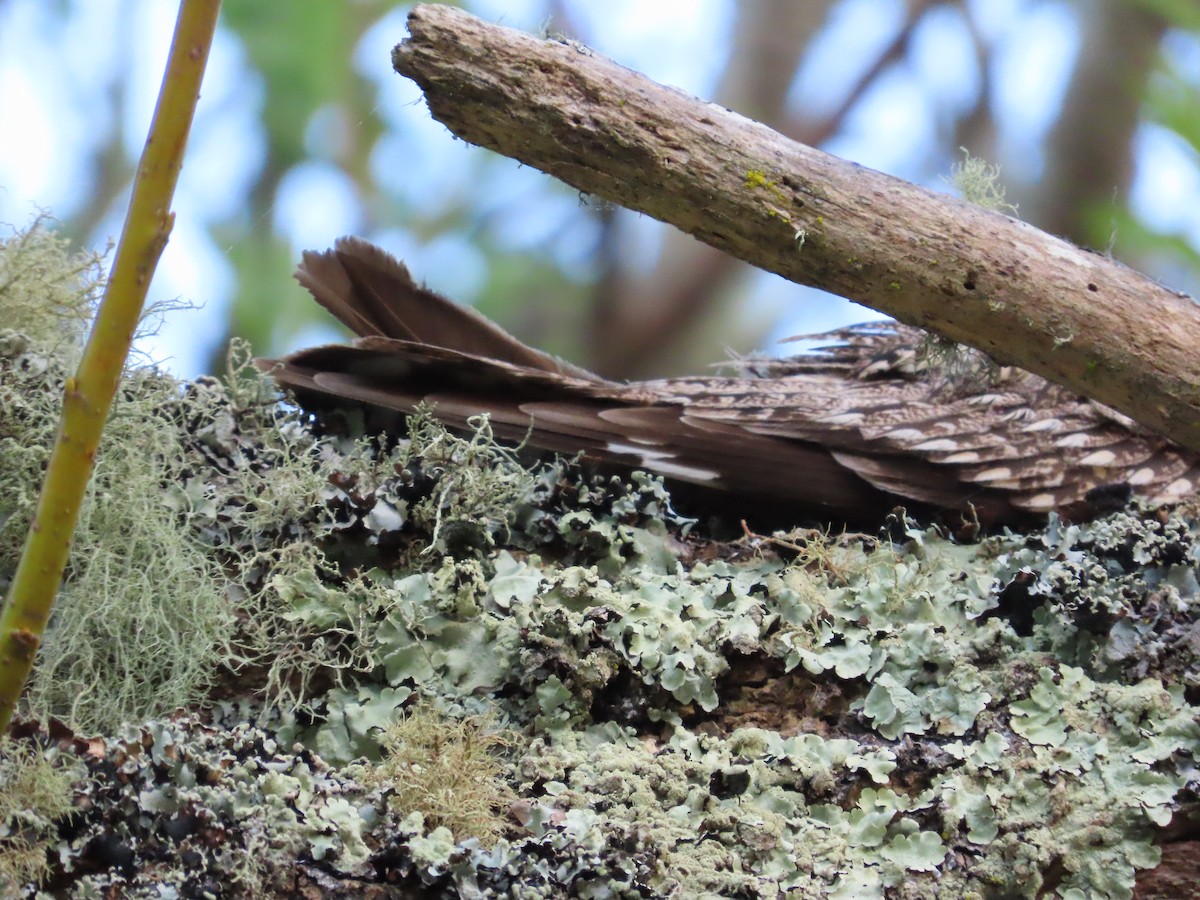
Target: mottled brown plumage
{"type": "Point", "coordinates": [846, 431]}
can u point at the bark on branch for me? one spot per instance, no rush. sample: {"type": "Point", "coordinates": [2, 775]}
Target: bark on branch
{"type": "Point", "coordinates": [1023, 296]}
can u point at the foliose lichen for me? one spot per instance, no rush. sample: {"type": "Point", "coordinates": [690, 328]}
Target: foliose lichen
{"type": "Point", "coordinates": [901, 716]}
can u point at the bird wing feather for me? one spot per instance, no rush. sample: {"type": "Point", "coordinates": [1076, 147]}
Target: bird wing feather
{"type": "Point", "coordinates": [861, 420]}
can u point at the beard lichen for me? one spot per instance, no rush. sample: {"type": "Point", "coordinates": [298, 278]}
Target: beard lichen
{"type": "Point", "coordinates": [138, 625]}
{"type": "Point", "coordinates": [36, 796]}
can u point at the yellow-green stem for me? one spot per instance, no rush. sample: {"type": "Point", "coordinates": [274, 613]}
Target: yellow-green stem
{"type": "Point", "coordinates": [88, 396]}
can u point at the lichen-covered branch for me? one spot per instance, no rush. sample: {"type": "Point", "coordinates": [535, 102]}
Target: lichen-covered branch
{"type": "Point", "coordinates": [840, 716]}
{"type": "Point", "coordinates": [1023, 296]}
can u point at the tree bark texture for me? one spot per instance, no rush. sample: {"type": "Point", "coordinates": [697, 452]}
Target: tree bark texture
{"type": "Point", "coordinates": [1024, 297]}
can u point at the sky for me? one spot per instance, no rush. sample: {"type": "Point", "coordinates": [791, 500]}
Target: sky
{"type": "Point", "coordinates": [55, 73]}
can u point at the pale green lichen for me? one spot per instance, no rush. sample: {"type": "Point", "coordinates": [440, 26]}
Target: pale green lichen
{"type": "Point", "coordinates": [979, 182]}
{"type": "Point", "coordinates": [447, 770]}
{"type": "Point", "coordinates": [46, 293]}
{"type": "Point", "coordinates": [139, 623]}
{"type": "Point", "coordinates": [914, 624]}
{"type": "Point", "coordinates": [859, 718]}
{"type": "Point", "coordinates": [36, 797]}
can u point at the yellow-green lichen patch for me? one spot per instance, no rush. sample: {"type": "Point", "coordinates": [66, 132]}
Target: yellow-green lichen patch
{"type": "Point", "coordinates": [448, 771]}
{"type": "Point", "coordinates": [756, 179]}
{"type": "Point", "coordinates": [36, 798]}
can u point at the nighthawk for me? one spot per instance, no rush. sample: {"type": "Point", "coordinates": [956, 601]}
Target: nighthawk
{"type": "Point", "coordinates": [846, 432]}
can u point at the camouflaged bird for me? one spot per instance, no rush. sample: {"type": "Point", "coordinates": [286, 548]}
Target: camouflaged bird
{"type": "Point", "coordinates": [847, 431]}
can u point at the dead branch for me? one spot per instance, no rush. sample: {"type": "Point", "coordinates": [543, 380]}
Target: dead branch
{"type": "Point", "coordinates": [1023, 296]}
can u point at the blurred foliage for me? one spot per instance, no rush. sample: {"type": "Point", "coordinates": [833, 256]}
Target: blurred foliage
{"type": "Point", "coordinates": [1173, 103]}
{"type": "Point", "coordinates": [319, 106]}
{"type": "Point", "coordinates": [303, 53]}
{"type": "Point", "coordinates": [1181, 13]}
{"type": "Point", "coordinates": [564, 274]}
{"type": "Point", "coordinates": [298, 82]}
{"type": "Point", "coordinates": [533, 292]}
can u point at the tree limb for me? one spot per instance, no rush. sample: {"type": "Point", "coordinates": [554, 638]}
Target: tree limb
{"type": "Point", "coordinates": [1023, 296]}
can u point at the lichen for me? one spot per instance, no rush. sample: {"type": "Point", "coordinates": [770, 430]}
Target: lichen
{"type": "Point", "coordinates": [35, 800]}
{"type": "Point", "coordinates": [447, 770]}
{"type": "Point", "coordinates": [832, 716]}
{"type": "Point", "coordinates": [138, 625]}
{"type": "Point", "coordinates": [979, 182]}
{"type": "Point", "coordinates": [46, 293]}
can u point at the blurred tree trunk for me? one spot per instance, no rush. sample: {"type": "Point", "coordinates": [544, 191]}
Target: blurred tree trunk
{"type": "Point", "coordinates": [296, 88]}
{"type": "Point", "coordinates": [645, 324]}
{"type": "Point", "coordinates": [650, 324]}
{"type": "Point", "coordinates": [1089, 154]}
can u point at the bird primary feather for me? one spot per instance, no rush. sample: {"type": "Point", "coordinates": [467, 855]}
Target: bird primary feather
{"type": "Point", "coordinates": [861, 424]}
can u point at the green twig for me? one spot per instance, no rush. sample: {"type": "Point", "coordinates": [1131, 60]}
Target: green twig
{"type": "Point", "coordinates": [88, 396]}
